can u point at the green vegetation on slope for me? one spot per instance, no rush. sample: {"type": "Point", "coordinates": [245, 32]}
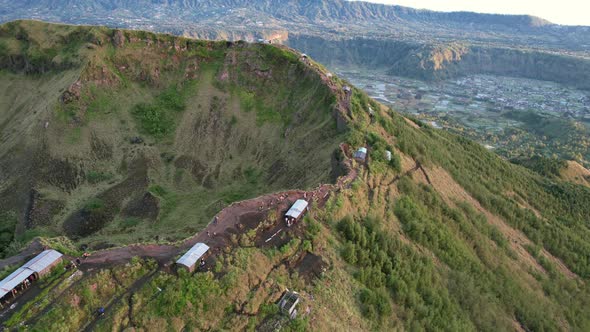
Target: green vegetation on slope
{"type": "Point", "coordinates": [477, 262]}
{"type": "Point", "coordinates": [211, 122]}
{"type": "Point", "coordinates": [489, 179]}
{"type": "Point", "coordinates": [158, 118]}
{"type": "Point", "coordinates": [548, 167]}
{"type": "Point", "coordinates": [448, 236]}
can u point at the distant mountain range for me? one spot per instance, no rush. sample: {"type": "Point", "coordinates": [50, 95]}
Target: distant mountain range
{"type": "Point", "coordinates": [291, 11]}
{"type": "Point", "coordinates": [402, 41]}
{"type": "Point", "coordinates": [133, 146]}
{"type": "Point", "coordinates": [241, 19]}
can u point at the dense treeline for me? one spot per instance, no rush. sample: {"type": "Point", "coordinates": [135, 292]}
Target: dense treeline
{"type": "Point", "coordinates": [549, 167]}
{"type": "Point", "coordinates": [461, 239]}
{"type": "Point", "coordinates": [389, 268]}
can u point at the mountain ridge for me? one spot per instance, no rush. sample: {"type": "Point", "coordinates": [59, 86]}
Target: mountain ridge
{"type": "Point", "coordinates": [312, 10]}
{"type": "Point", "coordinates": [135, 140]}
{"type": "Point", "coordinates": [325, 15]}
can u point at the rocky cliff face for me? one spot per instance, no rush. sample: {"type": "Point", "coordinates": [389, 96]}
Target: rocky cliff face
{"type": "Point", "coordinates": [443, 61]}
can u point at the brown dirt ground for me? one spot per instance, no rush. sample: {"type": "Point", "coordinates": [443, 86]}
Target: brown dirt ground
{"type": "Point", "coordinates": [576, 173]}
{"type": "Point", "coordinates": [310, 266]}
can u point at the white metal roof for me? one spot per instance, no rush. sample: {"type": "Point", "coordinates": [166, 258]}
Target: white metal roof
{"type": "Point", "coordinates": [297, 209]}
{"type": "Point", "coordinates": [193, 255]}
{"type": "Point", "coordinates": [37, 264]}
{"type": "Point", "coordinates": [388, 155]}
{"type": "Point", "coordinates": [362, 150]}
{"type": "Point", "coordinates": [14, 279]}
{"type": "Point", "coordinates": [43, 260]}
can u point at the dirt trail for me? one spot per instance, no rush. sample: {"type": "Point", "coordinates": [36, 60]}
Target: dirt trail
{"type": "Point", "coordinates": [230, 220]}
{"type": "Point", "coordinates": [128, 292]}
{"type": "Point", "coordinates": [32, 249]}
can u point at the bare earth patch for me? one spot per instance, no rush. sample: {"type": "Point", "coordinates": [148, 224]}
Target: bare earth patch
{"type": "Point", "coordinates": [576, 173]}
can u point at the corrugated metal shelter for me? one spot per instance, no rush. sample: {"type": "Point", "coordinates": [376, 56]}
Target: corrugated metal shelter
{"type": "Point", "coordinates": [43, 262]}
{"type": "Point", "coordinates": [191, 257]}
{"type": "Point", "coordinates": [288, 303]}
{"type": "Point", "coordinates": [30, 271]}
{"type": "Point", "coordinates": [297, 209]}
{"type": "Point", "coordinates": [388, 155]}
{"type": "Point", "coordinates": [13, 280]}
{"type": "Point", "coordinates": [361, 154]}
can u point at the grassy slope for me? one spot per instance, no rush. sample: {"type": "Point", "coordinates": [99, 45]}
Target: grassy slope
{"type": "Point", "coordinates": [402, 253]}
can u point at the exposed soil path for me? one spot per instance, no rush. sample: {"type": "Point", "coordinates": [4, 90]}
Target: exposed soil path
{"type": "Point", "coordinates": [230, 220]}
{"type": "Point", "coordinates": [32, 249]}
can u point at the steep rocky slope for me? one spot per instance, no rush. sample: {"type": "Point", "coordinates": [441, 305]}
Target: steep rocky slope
{"type": "Point", "coordinates": [106, 130]}
{"type": "Point", "coordinates": [445, 236]}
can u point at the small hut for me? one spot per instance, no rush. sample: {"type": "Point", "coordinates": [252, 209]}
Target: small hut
{"type": "Point", "coordinates": [361, 154]}
{"type": "Point", "coordinates": [388, 155]}
{"type": "Point", "coordinates": [193, 257]}
{"type": "Point", "coordinates": [288, 303]}
{"type": "Point", "coordinates": [295, 212]}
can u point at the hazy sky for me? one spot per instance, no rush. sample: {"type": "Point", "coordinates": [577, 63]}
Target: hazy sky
{"type": "Point", "coordinates": [571, 12]}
